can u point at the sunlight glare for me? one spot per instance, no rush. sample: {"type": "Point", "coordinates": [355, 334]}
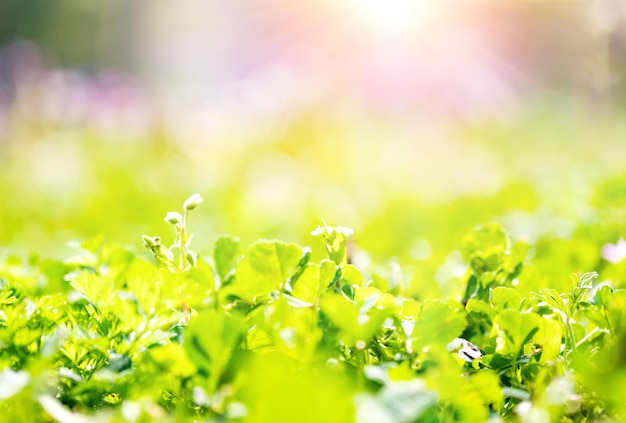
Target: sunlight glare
{"type": "Point", "coordinates": [390, 15]}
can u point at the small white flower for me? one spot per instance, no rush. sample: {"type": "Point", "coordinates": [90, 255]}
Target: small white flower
{"type": "Point", "coordinates": [344, 231]}
{"type": "Point", "coordinates": [325, 230]}
{"type": "Point", "coordinates": [319, 231]}
{"type": "Point", "coordinates": [465, 349]}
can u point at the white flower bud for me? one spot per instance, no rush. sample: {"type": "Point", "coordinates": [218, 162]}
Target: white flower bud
{"type": "Point", "coordinates": [192, 202]}
{"type": "Point", "coordinates": [173, 218]}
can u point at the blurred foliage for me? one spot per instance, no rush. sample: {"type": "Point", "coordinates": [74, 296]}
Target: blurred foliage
{"type": "Point", "coordinates": [71, 32]}
{"type": "Point", "coordinates": [410, 190]}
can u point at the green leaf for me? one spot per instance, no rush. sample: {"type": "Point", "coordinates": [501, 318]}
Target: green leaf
{"type": "Point", "coordinates": [357, 322]}
{"type": "Point", "coordinates": [343, 313]}
{"type": "Point", "coordinates": [616, 311]}
{"type": "Point", "coordinates": [603, 295]}
{"type": "Point", "coordinates": [512, 329]}
{"type": "Point", "coordinates": [549, 338]}
{"type": "Point", "coordinates": [276, 390]}
{"type": "Point", "coordinates": [350, 275]}
{"type": "Point", "coordinates": [8, 295]}
{"type": "Point", "coordinates": [410, 309]}
{"type": "Point", "coordinates": [202, 273]}
{"type": "Point", "coordinates": [485, 247]}
{"type": "Point", "coordinates": [502, 298]}
{"type": "Point", "coordinates": [211, 338]}
{"type": "Point", "coordinates": [487, 384]}
{"type": "Point", "coordinates": [586, 280]}
{"type": "Point", "coordinates": [172, 358]}
{"type": "Point", "coordinates": [266, 267]}
{"type": "Point", "coordinates": [314, 280]}
{"type": "Point", "coordinates": [97, 289]}
{"type": "Point", "coordinates": [480, 310]}
{"type": "Point", "coordinates": [225, 255]}
{"type": "Point", "coordinates": [437, 323]}
{"type": "Point", "coordinates": [297, 302]}
{"type": "Point", "coordinates": [520, 394]}
{"type": "Point", "coordinates": [551, 297]}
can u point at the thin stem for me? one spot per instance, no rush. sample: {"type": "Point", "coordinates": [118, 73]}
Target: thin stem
{"type": "Point", "coordinates": [361, 362]}
{"type": "Point", "coordinates": [360, 357]}
{"type": "Point", "coordinates": [608, 322]}
{"type": "Point", "coordinates": [181, 241]}
{"type": "Point", "coordinates": [570, 334]}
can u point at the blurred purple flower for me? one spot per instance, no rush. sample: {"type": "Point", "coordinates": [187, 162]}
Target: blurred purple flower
{"type": "Point", "coordinates": [614, 252]}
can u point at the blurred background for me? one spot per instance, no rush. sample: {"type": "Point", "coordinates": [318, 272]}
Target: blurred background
{"type": "Point", "coordinates": [410, 121]}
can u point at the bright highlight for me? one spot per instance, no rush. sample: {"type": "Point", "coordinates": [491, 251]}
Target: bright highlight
{"type": "Point", "coordinates": [389, 15]}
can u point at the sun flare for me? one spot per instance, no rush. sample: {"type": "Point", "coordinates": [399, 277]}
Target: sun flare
{"type": "Point", "coordinates": [390, 15]}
